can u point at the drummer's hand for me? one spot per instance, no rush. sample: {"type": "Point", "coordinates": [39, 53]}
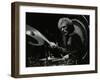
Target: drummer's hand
{"type": "Point", "coordinates": [52, 45]}
{"type": "Point", "coordinates": [66, 57]}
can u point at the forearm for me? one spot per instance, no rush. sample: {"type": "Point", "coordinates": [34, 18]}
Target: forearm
{"type": "Point", "coordinates": [61, 50]}
{"type": "Point", "coordinates": [65, 51]}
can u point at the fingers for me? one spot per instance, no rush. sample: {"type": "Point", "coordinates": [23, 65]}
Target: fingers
{"type": "Point", "coordinates": [52, 44]}
{"type": "Point", "coordinates": [66, 57]}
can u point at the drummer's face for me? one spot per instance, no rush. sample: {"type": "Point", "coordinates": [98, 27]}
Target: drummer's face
{"type": "Point", "coordinates": [64, 30]}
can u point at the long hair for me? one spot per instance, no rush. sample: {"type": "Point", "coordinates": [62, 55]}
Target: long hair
{"type": "Point", "coordinates": [66, 22]}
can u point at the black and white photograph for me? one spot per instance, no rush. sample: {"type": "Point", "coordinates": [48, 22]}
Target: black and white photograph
{"type": "Point", "coordinates": [51, 39]}
{"type": "Point", "coordinates": [57, 39]}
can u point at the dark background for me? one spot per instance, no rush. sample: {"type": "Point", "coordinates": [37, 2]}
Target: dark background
{"type": "Point", "coordinates": [47, 24]}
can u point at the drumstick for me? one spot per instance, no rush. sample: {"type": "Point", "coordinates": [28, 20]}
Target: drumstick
{"type": "Point", "coordinates": [42, 36]}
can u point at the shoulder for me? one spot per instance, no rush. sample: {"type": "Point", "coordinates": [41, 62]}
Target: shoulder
{"type": "Point", "coordinates": [75, 37]}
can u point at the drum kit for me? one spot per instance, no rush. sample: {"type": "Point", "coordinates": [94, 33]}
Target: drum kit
{"type": "Point", "coordinates": [41, 39]}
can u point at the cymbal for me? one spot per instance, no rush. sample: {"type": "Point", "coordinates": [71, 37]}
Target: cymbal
{"type": "Point", "coordinates": [81, 27]}
{"type": "Point", "coordinates": [34, 34]}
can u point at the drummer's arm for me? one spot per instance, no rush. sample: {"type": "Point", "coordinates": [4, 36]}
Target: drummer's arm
{"type": "Point", "coordinates": [63, 50]}
{"type": "Point", "coordinates": [59, 49]}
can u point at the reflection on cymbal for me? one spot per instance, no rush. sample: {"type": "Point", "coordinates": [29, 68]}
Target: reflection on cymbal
{"type": "Point", "coordinates": [35, 34]}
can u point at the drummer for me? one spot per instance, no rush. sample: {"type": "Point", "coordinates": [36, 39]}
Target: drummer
{"type": "Point", "coordinates": [70, 46]}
